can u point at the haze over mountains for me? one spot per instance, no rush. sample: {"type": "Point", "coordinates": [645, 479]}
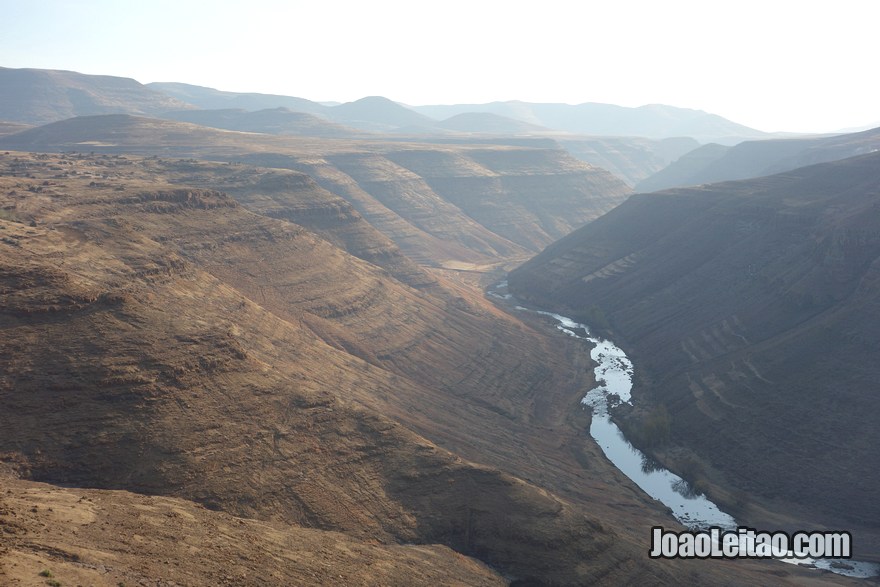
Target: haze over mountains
{"type": "Point", "coordinates": [41, 96]}
{"type": "Point", "coordinates": [38, 96]}
{"type": "Point", "coordinates": [714, 163]}
{"type": "Point", "coordinates": [250, 335]}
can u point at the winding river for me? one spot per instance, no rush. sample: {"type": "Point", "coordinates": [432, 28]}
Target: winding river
{"type": "Point", "coordinates": [613, 374]}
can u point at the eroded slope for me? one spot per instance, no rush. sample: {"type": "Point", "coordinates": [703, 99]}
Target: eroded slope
{"type": "Point", "coordinates": [752, 308]}
{"type": "Point", "coordinates": [164, 340]}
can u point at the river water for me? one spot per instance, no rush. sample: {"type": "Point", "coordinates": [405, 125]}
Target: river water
{"type": "Point", "coordinates": [614, 376]}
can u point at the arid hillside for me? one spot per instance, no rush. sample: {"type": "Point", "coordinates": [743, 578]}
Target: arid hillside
{"type": "Point", "coordinates": [111, 538]}
{"type": "Point", "coordinates": [165, 341]}
{"type": "Point", "coordinates": [443, 205]}
{"type": "Point", "coordinates": [751, 311]}
{"type": "Point", "coordinates": [209, 353]}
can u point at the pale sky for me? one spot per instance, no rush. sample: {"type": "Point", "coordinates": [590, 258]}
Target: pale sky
{"type": "Point", "coordinates": [775, 65]}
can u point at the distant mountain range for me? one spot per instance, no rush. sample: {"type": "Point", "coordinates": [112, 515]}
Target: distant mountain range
{"type": "Point", "coordinates": [211, 99]}
{"type": "Point", "coordinates": [34, 96]}
{"type": "Point", "coordinates": [39, 96]}
{"type": "Point", "coordinates": [713, 163]}
{"type": "Point", "coordinates": [276, 121]}
{"type": "Point", "coordinates": [654, 121]}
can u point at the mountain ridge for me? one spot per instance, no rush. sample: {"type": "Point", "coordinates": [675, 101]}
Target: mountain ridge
{"type": "Point", "coordinates": [39, 96]}
{"type": "Point", "coordinates": [715, 163]}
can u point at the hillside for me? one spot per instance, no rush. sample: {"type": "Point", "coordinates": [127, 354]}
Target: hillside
{"type": "Point", "coordinates": [39, 96]}
{"type": "Point", "coordinates": [209, 362]}
{"type": "Point", "coordinates": [630, 158]}
{"type": "Point", "coordinates": [8, 128]}
{"type": "Point", "coordinates": [376, 113]}
{"type": "Point", "coordinates": [750, 309]}
{"type": "Point", "coordinates": [112, 538]}
{"type": "Point", "coordinates": [442, 204]}
{"type": "Point", "coordinates": [208, 353]}
{"type": "Point", "coordinates": [279, 121]}
{"type": "Point", "coordinates": [486, 122]}
{"type": "Point", "coordinates": [714, 163]}
{"type": "Point", "coordinates": [653, 121]}
{"type": "Point", "coordinates": [211, 99]}
{"type": "Point", "coordinates": [43, 96]}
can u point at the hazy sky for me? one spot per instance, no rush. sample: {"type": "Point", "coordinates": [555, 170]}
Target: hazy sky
{"type": "Point", "coordinates": [770, 64]}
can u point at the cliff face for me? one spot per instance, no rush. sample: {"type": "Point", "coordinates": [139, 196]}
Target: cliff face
{"type": "Point", "coordinates": [748, 306]}
{"type": "Point", "coordinates": [528, 196]}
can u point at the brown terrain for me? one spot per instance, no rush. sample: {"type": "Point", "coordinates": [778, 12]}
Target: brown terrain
{"type": "Point", "coordinates": [211, 361]}
{"type": "Point", "coordinates": [441, 204]}
{"type": "Point", "coordinates": [112, 538]}
{"type": "Point", "coordinates": [750, 309]}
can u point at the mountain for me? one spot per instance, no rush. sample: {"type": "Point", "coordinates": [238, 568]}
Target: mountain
{"type": "Point", "coordinates": [38, 96]}
{"type": "Point", "coordinates": [443, 205]}
{"type": "Point", "coordinates": [229, 396]}
{"type": "Point", "coordinates": [280, 121]}
{"type": "Point", "coordinates": [211, 99]}
{"type": "Point", "coordinates": [751, 311]}
{"type": "Point", "coordinates": [204, 352]}
{"type": "Point", "coordinates": [373, 113]}
{"type": "Point", "coordinates": [630, 158]}
{"type": "Point", "coordinates": [653, 121]}
{"type": "Point", "coordinates": [378, 114]}
{"type": "Point", "coordinates": [8, 128]}
{"type": "Point", "coordinates": [249, 380]}
{"type": "Point", "coordinates": [713, 163]}
{"type": "Point", "coordinates": [486, 122]}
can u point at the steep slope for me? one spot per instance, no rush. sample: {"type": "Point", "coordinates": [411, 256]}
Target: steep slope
{"type": "Point", "coordinates": [751, 309]}
{"type": "Point", "coordinates": [204, 352]}
{"type": "Point", "coordinates": [685, 170]}
{"type": "Point", "coordinates": [528, 196]}
{"type": "Point", "coordinates": [631, 159]}
{"type": "Point", "coordinates": [714, 163]}
{"type": "Point", "coordinates": [476, 204]}
{"type": "Point", "coordinates": [293, 196]}
{"type": "Point", "coordinates": [161, 339]}
{"type": "Point", "coordinates": [39, 96]}
{"type": "Point", "coordinates": [111, 538]}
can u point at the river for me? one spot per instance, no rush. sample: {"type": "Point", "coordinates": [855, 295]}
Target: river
{"type": "Point", "coordinates": [614, 376]}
